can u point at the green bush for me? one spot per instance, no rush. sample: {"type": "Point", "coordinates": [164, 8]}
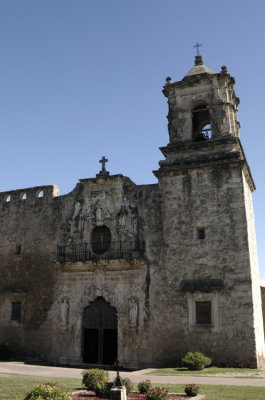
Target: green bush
{"type": "Point", "coordinates": [157, 393]}
{"type": "Point", "coordinates": [128, 385]}
{"type": "Point", "coordinates": [195, 361]}
{"type": "Point", "coordinates": [144, 386]}
{"type": "Point", "coordinates": [191, 389]}
{"type": "Point", "coordinates": [96, 380]}
{"type": "Point", "coordinates": [47, 392]}
{"type": "Point", "coordinates": [124, 382]}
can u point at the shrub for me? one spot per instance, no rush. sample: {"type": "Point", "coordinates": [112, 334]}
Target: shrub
{"type": "Point", "coordinates": [144, 386]}
{"type": "Point", "coordinates": [47, 392]}
{"type": "Point", "coordinates": [191, 389]}
{"type": "Point", "coordinates": [157, 393]}
{"type": "Point", "coordinates": [96, 380]}
{"type": "Point", "coordinates": [195, 361]}
{"type": "Point", "coordinates": [128, 385]}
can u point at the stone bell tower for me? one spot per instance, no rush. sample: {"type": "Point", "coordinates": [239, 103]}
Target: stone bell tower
{"type": "Point", "coordinates": [208, 223]}
{"type": "Point", "coordinates": [202, 106]}
{"type": "Point", "coordinates": [202, 114]}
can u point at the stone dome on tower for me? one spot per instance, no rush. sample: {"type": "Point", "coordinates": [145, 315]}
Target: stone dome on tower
{"type": "Point", "coordinates": [199, 68]}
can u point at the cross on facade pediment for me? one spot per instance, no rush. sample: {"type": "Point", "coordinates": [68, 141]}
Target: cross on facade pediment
{"type": "Point", "coordinates": [103, 173]}
{"type": "Point", "coordinates": [103, 161]}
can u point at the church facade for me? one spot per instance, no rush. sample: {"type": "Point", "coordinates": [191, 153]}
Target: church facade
{"type": "Point", "coordinates": [141, 274]}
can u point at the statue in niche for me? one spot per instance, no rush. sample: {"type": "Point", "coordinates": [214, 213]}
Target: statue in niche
{"type": "Point", "coordinates": [64, 312]}
{"type": "Point", "coordinates": [134, 220]}
{"type": "Point", "coordinates": [133, 313]}
{"type": "Point", "coordinates": [99, 216]}
{"type": "Point", "coordinates": [122, 217]}
{"type": "Point", "coordinates": [77, 219]}
{"type": "Point", "coordinates": [99, 279]}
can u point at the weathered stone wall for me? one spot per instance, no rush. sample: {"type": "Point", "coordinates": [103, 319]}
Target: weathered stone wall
{"type": "Point", "coordinates": [166, 217]}
{"type": "Point", "coordinates": [28, 232]}
{"type": "Point", "coordinates": [212, 198]}
{"type": "Point", "coordinates": [255, 280]}
{"type": "Point", "coordinates": [36, 278]}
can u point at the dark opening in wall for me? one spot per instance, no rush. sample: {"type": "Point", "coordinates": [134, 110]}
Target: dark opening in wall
{"type": "Point", "coordinates": [40, 194]}
{"type": "Point", "coordinates": [18, 249]}
{"type": "Point", "coordinates": [203, 312]}
{"type": "Point", "coordinates": [100, 239]}
{"type": "Point", "coordinates": [201, 123]}
{"type": "Point", "coordinates": [16, 311]}
{"type": "Point", "coordinates": [200, 232]}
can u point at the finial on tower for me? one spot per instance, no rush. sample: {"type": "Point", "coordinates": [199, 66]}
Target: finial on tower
{"type": "Point", "coordinates": [197, 45]}
{"type": "Point", "coordinates": [198, 57]}
{"type": "Point", "coordinates": [168, 80]}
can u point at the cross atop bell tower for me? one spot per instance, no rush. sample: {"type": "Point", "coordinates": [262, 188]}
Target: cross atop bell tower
{"type": "Point", "coordinates": [197, 45]}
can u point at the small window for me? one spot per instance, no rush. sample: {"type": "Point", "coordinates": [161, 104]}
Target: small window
{"type": "Point", "coordinates": [201, 233]}
{"type": "Point", "coordinates": [100, 239]}
{"type": "Point", "coordinates": [8, 198]}
{"type": "Point", "coordinates": [18, 249]}
{"type": "Point", "coordinates": [23, 196]}
{"type": "Point", "coordinates": [40, 194]}
{"type": "Point", "coordinates": [16, 311]}
{"type": "Point", "coordinates": [203, 312]}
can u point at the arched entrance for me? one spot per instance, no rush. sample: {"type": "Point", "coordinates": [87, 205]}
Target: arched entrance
{"type": "Point", "coordinates": [100, 333]}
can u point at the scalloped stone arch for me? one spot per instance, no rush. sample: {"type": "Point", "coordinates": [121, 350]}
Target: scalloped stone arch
{"type": "Point", "coordinates": [197, 103]}
{"type": "Point", "coordinates": [92, 293]}
{"type": "Point", "coordinates": [100, 332]}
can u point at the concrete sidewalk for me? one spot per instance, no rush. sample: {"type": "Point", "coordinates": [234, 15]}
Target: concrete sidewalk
{"type": "Point", "coordinates": [135, 376]}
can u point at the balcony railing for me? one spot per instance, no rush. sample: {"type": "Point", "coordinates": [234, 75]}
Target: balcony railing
{"type": "Point", "coordinates": [128, 250]}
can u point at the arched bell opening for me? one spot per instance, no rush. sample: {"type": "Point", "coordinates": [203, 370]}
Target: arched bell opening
{"type": "Point", "coordinates": [100, 339]}
{"type": "Point", "coordinates": [201, 123]}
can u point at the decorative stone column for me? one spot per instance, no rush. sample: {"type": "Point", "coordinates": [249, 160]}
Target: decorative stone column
{"type": "Point", "coordinates": [78, 341]}
{"type": "Point", "coordinates": [120, 352]}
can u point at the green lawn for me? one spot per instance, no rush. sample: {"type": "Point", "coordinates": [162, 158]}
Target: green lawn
{"type": "Point", "coordinates": [14, 387]}
{"type": "Point", "coordinates": [225, 392]}
{"type": "Point", "coordinates": [207, 371]}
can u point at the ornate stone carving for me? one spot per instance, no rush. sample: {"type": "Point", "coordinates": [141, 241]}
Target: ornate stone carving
{"type": "Point", "coordinates": [99, 280]}
{"type": "Point", "coordinates": [133, 313]}
{"type": "Point", "coordinates": [134, 220]}
{"type": "Point", "coordinates": [99, 218]}
{"type": "Point", "coordinates": [64, 312]}
{"type": "Point", "coordinates": [99, 289]}
{"type": "Point", "coordinates": [122, 216]}
{"type": "Point", "coordinates": [99, 214]}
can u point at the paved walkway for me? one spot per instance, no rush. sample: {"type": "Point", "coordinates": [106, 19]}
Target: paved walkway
{"type": "Point", "coordinates": [135, 376]}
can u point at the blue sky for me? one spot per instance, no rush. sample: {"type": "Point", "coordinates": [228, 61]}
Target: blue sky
{"type": "Point", "coordinates": [83, 78]}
